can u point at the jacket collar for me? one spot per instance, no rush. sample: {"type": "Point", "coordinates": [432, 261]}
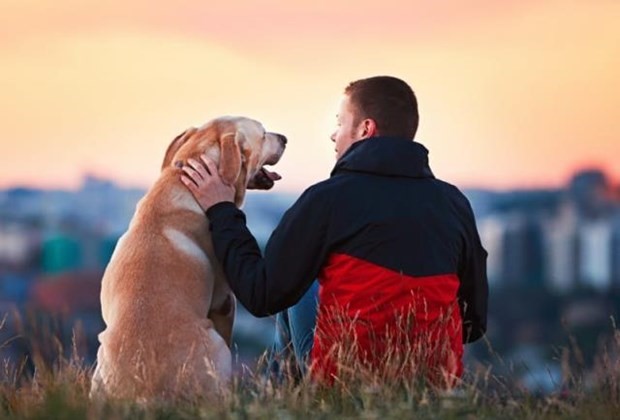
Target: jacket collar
{"type": "Point", "coordinates": [387, 156]}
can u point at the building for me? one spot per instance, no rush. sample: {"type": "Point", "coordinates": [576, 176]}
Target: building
{"type": "Point", "coordinates": [595, 253]}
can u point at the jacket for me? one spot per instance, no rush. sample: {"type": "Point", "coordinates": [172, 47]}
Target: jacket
{"type": "Point", "coordinates": [396, 252]}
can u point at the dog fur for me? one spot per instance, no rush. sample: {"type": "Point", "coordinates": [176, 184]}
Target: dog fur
{"type": "Point", "coordinates": [167, 307]}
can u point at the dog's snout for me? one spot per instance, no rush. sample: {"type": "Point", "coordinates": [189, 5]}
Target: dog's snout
{"type": "Point", "coordinates": [282, 139]}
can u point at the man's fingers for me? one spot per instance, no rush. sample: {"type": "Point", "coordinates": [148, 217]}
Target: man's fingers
{"type": "Point", "coordinates": [189, 182]}
{"type": "Point", "coordinates": [198, 167]}
{"type": "Point", "coordinates": [194, 176]}
{"type": "Point", "coordinates": [205, 183]}
{"type": "Point", "coordinates": [210, 165]}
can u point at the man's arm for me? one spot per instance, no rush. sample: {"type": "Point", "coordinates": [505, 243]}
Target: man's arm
{"type": "Point", "coordinates": [293, 255]}
{"type": "Point", "coordinates": [474, 289]}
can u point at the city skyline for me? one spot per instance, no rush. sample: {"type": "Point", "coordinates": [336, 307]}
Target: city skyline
{"type": "Point", "coordinates": [560, 239]}
{"type": "Point", "coordinates": [511, 94]}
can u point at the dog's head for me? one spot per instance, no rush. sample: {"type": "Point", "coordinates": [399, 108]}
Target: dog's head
{"type": "Point", "coordinates": [240, 146]}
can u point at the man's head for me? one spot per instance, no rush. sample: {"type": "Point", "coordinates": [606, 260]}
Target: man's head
{"type": "Point", "coordinates": [376, 106]}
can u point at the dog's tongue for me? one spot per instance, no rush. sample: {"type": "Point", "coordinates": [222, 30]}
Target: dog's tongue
{"type": "Point", "coordinates": [274, 176]}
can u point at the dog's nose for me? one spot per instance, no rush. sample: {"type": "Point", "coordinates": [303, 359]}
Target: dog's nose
{"type": "Point", "coordinates": [282, 139]}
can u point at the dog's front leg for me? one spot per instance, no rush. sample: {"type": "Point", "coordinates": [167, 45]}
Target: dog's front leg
{"type": "Point", "coordinates": [223, 318]}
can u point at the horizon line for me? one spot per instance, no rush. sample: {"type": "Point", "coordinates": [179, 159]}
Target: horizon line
{"type": "Point", "coordinates": [121, 184]}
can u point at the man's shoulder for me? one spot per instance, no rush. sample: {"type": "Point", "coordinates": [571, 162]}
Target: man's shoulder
{"type": "Point", "coordinates": [446, 186]}
{"type": "Point", "coordinates": [316, 198]}
{"type": "Point", "coordinates": [324, 188]}
{"type": "Point", "coordinates": [453, 193]}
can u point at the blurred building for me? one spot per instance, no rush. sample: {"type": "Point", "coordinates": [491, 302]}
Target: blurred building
{"type": "Point", "coordinates": [562, 250]}
{"type": "Point", "coordinates": [515, 245]}
{"type": "Point", "coordinates": [19, 245]}
{"type": "Point", "coordinates": [492, 231]}
{"type": "Point", "coordinates": [591, 194]}
{"type": "Point", "coordinates": [615, 251]}
{"type": "Point", "coordinates": [60, 253]}
{"type": "Point", "coordinates": [562, 239]}
{"type": "Point", "coordinates": [595, 252]}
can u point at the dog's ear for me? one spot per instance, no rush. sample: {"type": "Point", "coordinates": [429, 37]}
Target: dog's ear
{"type": "Point", "coordinates": [230, 157]}
{"type": "Point", "coordinates": [176, 145]}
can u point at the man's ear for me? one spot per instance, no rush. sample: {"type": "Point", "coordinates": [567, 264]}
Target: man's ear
{"type": "Point", "coordinates": [176, 144]}
{"type": "Point", "coordinates": [230, 156]}
{"type": "Point", "coordinates": [369, 128]}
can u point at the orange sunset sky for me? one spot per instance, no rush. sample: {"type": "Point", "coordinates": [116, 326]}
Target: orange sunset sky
{"type": "Point", "coordinates": [511, 93]}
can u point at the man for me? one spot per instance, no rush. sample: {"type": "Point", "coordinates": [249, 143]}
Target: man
{"type": "Point", "coordinates": [401, 270]}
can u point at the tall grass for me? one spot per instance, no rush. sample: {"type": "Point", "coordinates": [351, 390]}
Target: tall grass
{"type": "Point", "coordinates": [58, 387]}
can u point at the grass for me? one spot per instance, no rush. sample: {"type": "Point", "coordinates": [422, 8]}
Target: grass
{"type": "Point", "coordinates": [63, 394]}
{"type": "Point", "coordinates": [59, 390]}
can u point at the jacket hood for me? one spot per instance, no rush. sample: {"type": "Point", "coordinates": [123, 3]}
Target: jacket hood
{"type": "Point", "coordinates": [387, 156]}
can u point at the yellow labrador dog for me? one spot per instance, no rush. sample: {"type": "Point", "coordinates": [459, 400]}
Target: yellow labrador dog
{"type": "Point", "coordinates": [165, 301]}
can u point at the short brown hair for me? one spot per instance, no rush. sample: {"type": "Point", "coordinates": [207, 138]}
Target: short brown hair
{"type": "Point", "coordinates": [389, 101]}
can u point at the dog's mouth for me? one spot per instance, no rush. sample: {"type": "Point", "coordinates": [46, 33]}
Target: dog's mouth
{"type": "Point", "coordinates": [263, 180]}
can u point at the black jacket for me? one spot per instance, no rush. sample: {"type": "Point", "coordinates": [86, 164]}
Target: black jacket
{"type": "Point", "coordinates": [381, 205]}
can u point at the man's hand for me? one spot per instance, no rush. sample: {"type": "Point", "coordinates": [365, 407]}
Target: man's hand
{"type": "Point", "coordinates": [205, 183]}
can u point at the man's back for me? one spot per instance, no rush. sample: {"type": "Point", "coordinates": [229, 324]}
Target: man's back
{"type": "Point", "coordinates": [398, 241]}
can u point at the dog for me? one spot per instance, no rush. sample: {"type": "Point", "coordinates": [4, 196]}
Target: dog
{"type": "Point", "coordinates": [165, 301]}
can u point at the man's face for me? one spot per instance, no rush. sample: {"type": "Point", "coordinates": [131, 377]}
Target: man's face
{"type": "Point", "coordinates": [348, 130]}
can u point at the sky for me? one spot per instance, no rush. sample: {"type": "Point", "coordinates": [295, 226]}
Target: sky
{"type": "Point", "coordinates": [512, 94]}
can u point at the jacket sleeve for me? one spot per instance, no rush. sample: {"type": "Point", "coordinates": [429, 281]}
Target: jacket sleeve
{"type": "Point", "coordinates": [474, 288]}
{"type": "Point", "coordinates": [293, 256]}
